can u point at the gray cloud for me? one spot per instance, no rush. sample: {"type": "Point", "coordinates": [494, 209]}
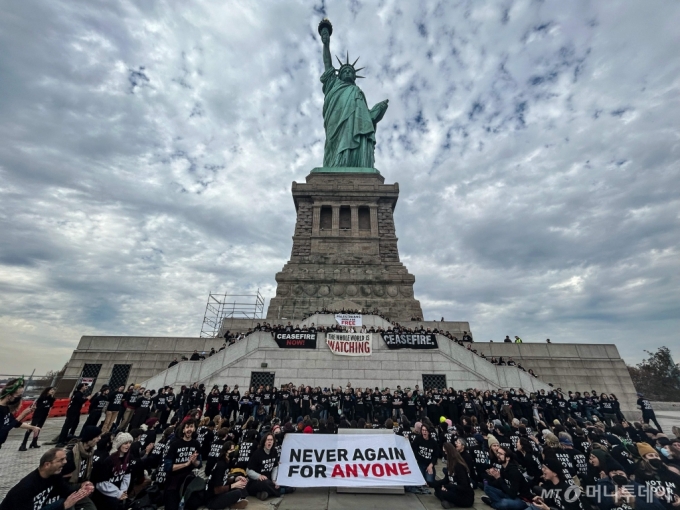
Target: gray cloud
{"type": "Point", "coordinates": [148, 149]}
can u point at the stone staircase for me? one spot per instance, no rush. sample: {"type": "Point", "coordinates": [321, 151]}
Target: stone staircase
{"type": "Point", "coordinates": [320, 367]}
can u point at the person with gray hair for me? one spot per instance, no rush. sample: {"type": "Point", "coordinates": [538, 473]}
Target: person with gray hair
{"type": "Point", "coordinates": [45, 488]}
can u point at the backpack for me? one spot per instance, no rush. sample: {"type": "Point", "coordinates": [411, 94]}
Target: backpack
{"type": "Point", "coordinates": [193, 492]}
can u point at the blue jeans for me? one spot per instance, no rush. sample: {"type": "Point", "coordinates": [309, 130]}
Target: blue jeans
{"type": "Point", "coordinates": [501, 501]}
{"type": "Point", "coordinates": [429, 478]}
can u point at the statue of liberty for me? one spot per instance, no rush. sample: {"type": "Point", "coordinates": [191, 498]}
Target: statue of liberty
{"type": "Point", "coordinates": [349, 124]}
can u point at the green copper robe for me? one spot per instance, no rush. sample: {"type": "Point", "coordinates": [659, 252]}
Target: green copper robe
{"type": "Point", "coordinates": [350, 133]}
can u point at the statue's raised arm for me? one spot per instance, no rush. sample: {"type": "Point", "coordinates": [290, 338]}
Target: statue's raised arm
{"type": "Point", "coordinates": [325, 31]}
{"type": "Point", "coordinates": [349, 124]}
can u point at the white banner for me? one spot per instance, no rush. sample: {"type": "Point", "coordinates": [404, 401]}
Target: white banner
{"type": "Point", "coordinates": [348, 319]}
{"type": "Point", "coordinates": [350, 344]}
{"type": "Point", "coordinates": [351, 460]}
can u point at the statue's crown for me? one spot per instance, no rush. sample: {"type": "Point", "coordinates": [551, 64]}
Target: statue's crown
{"type": "Point", "coordinates": [351, 66]}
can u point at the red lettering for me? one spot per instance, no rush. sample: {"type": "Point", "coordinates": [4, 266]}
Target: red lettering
{"type": "Point", "coordinates": [365, 469]}
{"type": "Point", "coordinates": [337, 471]}
{"type": "Point", "coordinates": [403, 468]}
{"type": "Point", "coordinates": [378, 472]}
{"type": "Point", "coordinates": [351, 469]}
{"type": "Point", "coordinates": [391, 469]}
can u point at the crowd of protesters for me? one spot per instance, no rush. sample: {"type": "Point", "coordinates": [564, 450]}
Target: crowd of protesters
{"type": "Point", "coordinates": [216, 447]}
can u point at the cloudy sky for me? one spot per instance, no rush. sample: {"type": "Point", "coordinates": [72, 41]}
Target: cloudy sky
{"type": "Point", "coordinates": [147, 151]}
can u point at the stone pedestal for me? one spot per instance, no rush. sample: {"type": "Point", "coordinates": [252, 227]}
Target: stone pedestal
{"type": "Point", "coordinates": [344, 250]}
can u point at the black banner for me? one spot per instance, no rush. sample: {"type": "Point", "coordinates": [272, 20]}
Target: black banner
{"type": "Point", "coordinates": [410, 340]}
{"type": "Point", "coordinates": [296, 340]}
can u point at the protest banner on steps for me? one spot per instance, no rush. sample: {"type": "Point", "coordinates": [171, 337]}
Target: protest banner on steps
{"type": "Point", "coordinates": [353, 460]}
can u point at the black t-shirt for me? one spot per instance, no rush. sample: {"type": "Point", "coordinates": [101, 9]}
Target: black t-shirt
{"type": "Point", "coordinates": [43, 405]}
{"type": "Point", "coordinates": [110, 469]}
{"type": "Point", "coordinates": [560, 496]}
{"type": "Point", "coordinates": [213, 402]}
{"type": "Point", "coordinates": [97, 403]}
{"type": "Point", "coordinates": [161, 402]}
{"type": "Point", "coordinates": [460, 478]}
{"type": "Point", "coordinates": [215, 448]}
{"type": "Point", "coordinates": [179, 452]}
{"type": "Point", "coordinates": [70, 466]}
{"type": "Point", "coordinates": [76, 404]}
{"type": "Point", "coordinates": [35, 492]}
{"type": "Point", "coordinates": [245, 451]}
{"type": "Point", "coordinates": [425, 451]}
{"type": "Point", "coordinates": [115, 401]}
{"type": "Point", "coordinates": [645, 405]}
{"type": "Point", "coordinates": [262, 462]}
{"type": "Point", "coordinates": [147, 438]}
{"type": "Point", "coordinates": [219, 476]}
{"type": "Point", "coordinates": [7, 423]}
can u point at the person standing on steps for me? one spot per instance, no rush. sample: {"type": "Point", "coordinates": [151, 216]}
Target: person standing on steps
{"type": "Point", "coordinates": [78, 399]}
{"type": "Point", "coordinates": [10, 399]}
{"type": "Point", "coordinates": [98, 404]}
{"type": "Point", "coordinates": [647, 411]}
{"type": "Point", "coordinates": [112, 410]}
{"type": "Point", "coordinates": [43, 404]}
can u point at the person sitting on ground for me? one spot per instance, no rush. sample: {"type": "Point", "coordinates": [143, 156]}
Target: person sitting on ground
{"type": "Point", "coordinates": [507, 486]}
{"type": "Point", "coordinates": [554, 487]}
{"type": "Point", "coordinates": [45, 488]}
{"type": "Point", "coordinates": [456, 489]}
{"type": "Point", "coordinates": [426, 451]}
{"type": "Point", "coordinates": [111, 475]}
{"type": "Point", "coordinates": [226, 489]}
{"type": "Point", "coordinates": [80, 460]}
{"type": "Point", "coordinates": [181, 459]}
{"type": "Point", "coordinates": [262, 470]}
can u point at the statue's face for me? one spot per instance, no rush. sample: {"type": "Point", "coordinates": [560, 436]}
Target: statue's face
{"type": "Point", "coordinates": [347, 75]}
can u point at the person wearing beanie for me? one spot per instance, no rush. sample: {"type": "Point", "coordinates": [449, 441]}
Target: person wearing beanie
{"type": "Point", "coordinates": [653, 472]}
{"type": "Point", "coordinates": [79, 462]}
{"type": "Point", "coordinates": [111, 475]}
{"type": "Point", "coordinates": [644, 448]}
{"type": "Point", "coordinates": [555, 490]}
{"type": "Point", "coordinates": [308, 430]}
{"type": "Point", "coordinates": [491, 440]}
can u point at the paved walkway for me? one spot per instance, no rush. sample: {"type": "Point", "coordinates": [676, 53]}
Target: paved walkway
{"type": "Point", "coordinates": [14, 465]}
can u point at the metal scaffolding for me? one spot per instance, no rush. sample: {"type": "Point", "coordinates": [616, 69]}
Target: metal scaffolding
{"type": "Point", "coordinates": [230, 306]}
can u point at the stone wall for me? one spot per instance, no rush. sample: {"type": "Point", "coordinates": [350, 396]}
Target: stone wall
{"type": "Point", "coordinates": [572, 367]}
